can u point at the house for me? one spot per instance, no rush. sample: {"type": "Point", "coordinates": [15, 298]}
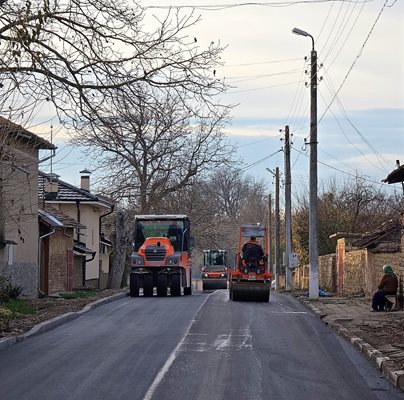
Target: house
{"type": "Point", "coordinates": [56, 243]}
{"type": "Point", "coordinates": [91, 250]}
{"type": "Point", "coordinates": [357, 265]}
{"type": "Point", "coordinates": [19, 231]}
{"type": "Point", "coordinates": [363, 260]}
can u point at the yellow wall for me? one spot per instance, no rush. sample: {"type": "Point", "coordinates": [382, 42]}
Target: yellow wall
{"type": "Point", "coordinates": [89, 216]}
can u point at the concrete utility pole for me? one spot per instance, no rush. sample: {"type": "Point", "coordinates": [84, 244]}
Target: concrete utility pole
{"type": "Point", "coordinates": [270, 263]}
{"type": "Point", "coordinates": [313, 234]}
{"type": "Point", "coordinates": [288, 214]}
{"type": "Point", "coordinates": [277, 229]}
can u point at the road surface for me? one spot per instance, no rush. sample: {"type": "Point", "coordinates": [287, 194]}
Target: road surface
{"type": "Point", "coordinates": [200, 347]}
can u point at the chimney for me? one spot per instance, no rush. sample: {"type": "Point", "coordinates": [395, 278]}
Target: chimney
{"type": "Point", "coordinates": [85, 180]}
{"type": "Point", "coordinates": [51, 186]}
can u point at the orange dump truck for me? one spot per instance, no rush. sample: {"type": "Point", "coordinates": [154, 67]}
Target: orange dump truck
{"type": "Point", "coordinates": [160, 261]}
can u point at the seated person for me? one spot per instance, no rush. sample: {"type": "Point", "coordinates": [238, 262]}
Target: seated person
{"type": "Point", "coordinates": [388, 285]}
{"type": "Point", "coordinates": [252, 251]}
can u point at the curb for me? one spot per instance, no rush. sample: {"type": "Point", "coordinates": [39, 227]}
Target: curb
{"type": "Point", "coordinates": [46, 326]}
{"type": "Point", "coordinates": [373, 355]}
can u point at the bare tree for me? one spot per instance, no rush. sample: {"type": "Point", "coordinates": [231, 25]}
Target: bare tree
{"type": "Point", "coordinates": [218, 205]}
{"type": "Point", "coordinates": [154, 143]}
{"type": "Point", "coordinates": [74, 53]}
{"type": "Point", "coordinates": [352, 206]}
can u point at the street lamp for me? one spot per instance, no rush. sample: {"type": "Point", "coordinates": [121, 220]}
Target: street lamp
{"type": "Point", "coordinates": [313, 236]}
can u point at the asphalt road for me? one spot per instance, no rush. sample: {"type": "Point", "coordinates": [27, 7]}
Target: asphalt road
{"type": "Point", "coordinates": [194, 347]}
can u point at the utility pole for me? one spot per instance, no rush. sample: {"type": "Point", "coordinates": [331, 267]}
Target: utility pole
{"type": "Point", "coordinates": [277, 228]}
{"type": "Point", "coordinates": [277, 231]}
{"type": "Point", "coordinates": [270, 263]}
{"type": "Point", "coordinates": [313, 234]}
{"type": "Point", "coordinates": [288, 214]}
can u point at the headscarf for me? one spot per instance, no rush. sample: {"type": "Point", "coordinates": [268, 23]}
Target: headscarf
{"type": "Point", "coordinates": [387, 269]}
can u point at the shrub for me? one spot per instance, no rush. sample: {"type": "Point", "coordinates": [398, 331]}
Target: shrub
{"type": "Point", "coordinates": [5, 316]}
{"type": "Point", "coordinates": [7, 290]}
{"type": "Point", "coordinates": [5, 287]}
{"type": "Point", "coordinates": [15, 291]}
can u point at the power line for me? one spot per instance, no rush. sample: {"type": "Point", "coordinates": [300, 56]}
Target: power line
{"type": "Point", "coordinates": [342, 171]}
{"type": "Point", "coordinates": [260, 63]}
{"type": "Point", "coordinates": [253, 77]}
{"type": "Point", "coordinates": [354, 62]}
{"type": "Point", "coordinates": [345, 114]}
{"type": "Point", "coordinates": [219, 7]}
{"type": "Point", "coordinates": [258, 162]}
{"type": "Point", "coordinates": [262, 88]}
{"type": "Point", "coordinates": [257, 141]}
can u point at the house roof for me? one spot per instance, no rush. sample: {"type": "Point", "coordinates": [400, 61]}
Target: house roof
{"type": "Point", "coordinates": [67, 192]}
{"type": "Point", "coordinates": [386, 236]}
{"type": "Point", "coordinates": [57, 219]}
{"type": "Point", "coordinates": [18, 132]}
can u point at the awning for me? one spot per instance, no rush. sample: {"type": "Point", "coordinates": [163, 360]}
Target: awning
{"type": "Point", "coordinates": [81, 249]}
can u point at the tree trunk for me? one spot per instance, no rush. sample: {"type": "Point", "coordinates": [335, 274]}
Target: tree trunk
{"type": "Point", "coordinates": [120, 244]}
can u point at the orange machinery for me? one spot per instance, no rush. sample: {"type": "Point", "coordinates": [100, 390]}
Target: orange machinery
{"type": "Point", "coordinates": [215, 269]}
{"type": "Point", "coordinates": [161, 256]}
{"type": "Point", "coordinates": [251, 279]}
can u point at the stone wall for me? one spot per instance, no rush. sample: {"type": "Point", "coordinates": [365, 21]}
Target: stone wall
{"type": "Point", "coordinates": [24, 275]}
{"type": "Point", "coordinates": [103, 280]}
{"type": "Point", "coordinates": [57, 274]}
{"type": "Point", "coordinates": [301, 277]}
{"type": "Point", "coordinates": [327, 272]}
{"type": "Point", "coordinates": [374, 272]}
{"type": "Point", "coordinates": [355, 262]}
{"type": "Point", "coordinates": [77, 272]}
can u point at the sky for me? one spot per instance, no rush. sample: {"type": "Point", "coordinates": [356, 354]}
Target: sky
{"type": "Point", "coordinates": [360, 48]}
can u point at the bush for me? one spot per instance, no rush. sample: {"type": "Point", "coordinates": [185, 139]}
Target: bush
{"type": "Point", "coordinates": [5, 316]}
{"type": "Point", "coordinates": [5, 287]}
{"type": "Point", "coordinates": [7, 290]}
{"type": "Point", "coordinates": [15, 291]}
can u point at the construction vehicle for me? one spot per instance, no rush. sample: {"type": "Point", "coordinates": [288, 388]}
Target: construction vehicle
{"type": "Point", "coordinates": [215, 269]}
{"type": "Point", "coordinates": [251, 280]}
{"type": "Point", "coordinates": [161, 256]}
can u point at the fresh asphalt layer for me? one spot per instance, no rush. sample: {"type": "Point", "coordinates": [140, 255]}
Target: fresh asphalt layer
{"type": "Point", "coordinates": [193, 347]}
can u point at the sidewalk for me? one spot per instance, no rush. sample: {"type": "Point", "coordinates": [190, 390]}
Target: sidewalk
{"type": "Point", "coordinates": [378, 335]}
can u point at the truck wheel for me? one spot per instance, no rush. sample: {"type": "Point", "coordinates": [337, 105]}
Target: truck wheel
{"type": "Point", "coordinates": [161, 285]}
{"type": "Point", "coordinates": [148, 285]}
{"type": "Point", "coordinates": [133, 286]}
{"type": "Point", "coordinates": [175, 285]}
{"type": "Point", "coordinates": [187, 291]}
